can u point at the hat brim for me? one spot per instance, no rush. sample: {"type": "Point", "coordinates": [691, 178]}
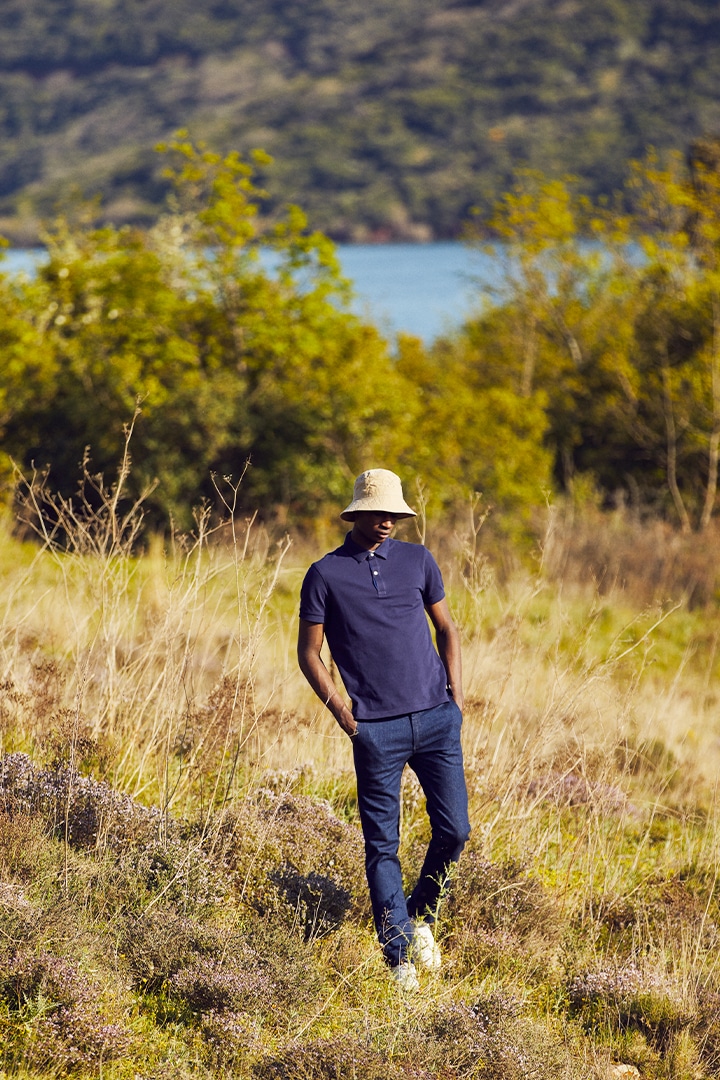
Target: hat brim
{"type": "Point", "coordinates": [350, 511]}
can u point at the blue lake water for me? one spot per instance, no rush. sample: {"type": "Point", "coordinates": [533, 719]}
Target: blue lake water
{"type": "Point", "coordinates": [421, 289]}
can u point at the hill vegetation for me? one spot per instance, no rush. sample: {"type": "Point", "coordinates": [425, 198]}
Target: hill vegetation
{"type": "Point", "coordinates": [384, 120]}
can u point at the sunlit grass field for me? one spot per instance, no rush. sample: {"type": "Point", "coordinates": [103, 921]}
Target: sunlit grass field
{"type": "Point", "coordinates": [181, 880]}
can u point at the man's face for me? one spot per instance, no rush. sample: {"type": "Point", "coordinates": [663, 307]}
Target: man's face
{"type": "Point", "coordinates": [371, 527]}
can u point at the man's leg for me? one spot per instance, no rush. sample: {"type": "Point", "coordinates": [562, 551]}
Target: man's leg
{"type": "Point", "coordinates": [438, 764]}
{"type": "Point", "coordinates": [381, 749]}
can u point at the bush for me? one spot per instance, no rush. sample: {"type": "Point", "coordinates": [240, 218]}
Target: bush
{"type": "Point", "coordinates": [488, 896]}
{"type": "Point", "coordinates": [294, 847]}
{"type": "Point", "coordinates": [329, 1059]}
{"type": "Point", "coordinates": [61, 1024]}
{"type": "Point", "coordinates": [490, 1038]}
{"type": "Point", "coordinates": [628, 996]}
{"type": "Point", "coordinates": [84, 811]}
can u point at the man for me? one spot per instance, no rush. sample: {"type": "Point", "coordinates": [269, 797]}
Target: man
{"type": "Point", "coordinates": [369, 598]}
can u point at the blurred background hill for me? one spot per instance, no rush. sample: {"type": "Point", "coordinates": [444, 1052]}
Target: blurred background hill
{"type": "Point", "coordinates": [386, 121]}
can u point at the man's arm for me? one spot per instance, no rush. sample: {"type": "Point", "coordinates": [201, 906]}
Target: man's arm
{"type": "Point", "coordinates": [448, 645]}
{"type": "Point", "coordinates": [310, 641]}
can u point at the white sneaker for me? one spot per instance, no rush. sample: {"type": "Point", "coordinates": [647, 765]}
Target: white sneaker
{"type": "Point", "coordinates": [405, 976]}
{"type": "Point", "coordinates": [424, 949]}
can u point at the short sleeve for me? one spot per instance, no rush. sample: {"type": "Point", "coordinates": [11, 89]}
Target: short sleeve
{"type": "Point", "coordinates": [434, 590]}
{"type": "Point", "coordinates": [313, 596]}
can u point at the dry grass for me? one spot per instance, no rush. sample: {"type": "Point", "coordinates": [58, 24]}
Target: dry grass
{"type": "Point", "coordinates": [226, 931]}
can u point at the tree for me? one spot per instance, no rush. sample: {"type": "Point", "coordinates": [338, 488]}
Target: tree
{"type": "Point", "coordinates": [541, 337]}
{"type": "Point", "coordinates": [28, 367]}
{"type": "Point", "coordinates": [613, 316]}
{"type": "Point", "coordinates": [475, 437]}
{"type": "Point", "coordinates": [677, 326]}
{"type": "Point", "coordinates": [232, 333]}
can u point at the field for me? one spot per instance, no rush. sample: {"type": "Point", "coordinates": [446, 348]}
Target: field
{"type": "Point", "coordinates": [181, 882]}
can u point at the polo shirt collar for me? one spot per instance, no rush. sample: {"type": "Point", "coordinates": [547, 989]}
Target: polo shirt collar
{"type": "Point", "coordinates": [359, 554]}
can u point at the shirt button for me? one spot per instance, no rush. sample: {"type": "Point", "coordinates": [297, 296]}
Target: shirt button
{"type": "Point", "coordinates": [375, 573]}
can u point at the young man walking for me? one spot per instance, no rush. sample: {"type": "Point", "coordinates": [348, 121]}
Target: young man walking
{"type": "Point", "coordinates": [369, 598]}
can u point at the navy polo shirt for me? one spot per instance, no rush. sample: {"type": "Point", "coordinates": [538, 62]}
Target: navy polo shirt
{"type": "Point", "coordinates": [372, 606]}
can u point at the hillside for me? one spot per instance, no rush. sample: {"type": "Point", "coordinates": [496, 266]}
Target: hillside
{"type": "Point", "coordinates": [384, 120]}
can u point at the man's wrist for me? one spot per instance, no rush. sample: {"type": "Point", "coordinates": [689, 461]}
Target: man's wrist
{"type": "Point", "coordinates": [346, 720]}
{"type": "Point", "coordinates": [457, 696]}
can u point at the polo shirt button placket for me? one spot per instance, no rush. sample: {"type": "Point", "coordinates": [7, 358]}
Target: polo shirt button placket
{"type": "Point", "coordinates": [376, 575]}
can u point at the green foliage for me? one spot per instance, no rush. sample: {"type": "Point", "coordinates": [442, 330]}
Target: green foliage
{"type": "Point", "coordinates": [597, 368]}
{"type": "Point", "coordinates": [475, 436]}
{"type": "Point", "coordinates": [231, 336]}
{"type": "Point", "coordinates": [28, 364]}
{"type": "Point", "coordinates": [612, 322]}
{"type": "Point", "coordinates": [224, 339]}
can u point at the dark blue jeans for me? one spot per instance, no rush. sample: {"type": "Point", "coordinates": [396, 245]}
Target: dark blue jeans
{"type": "Point", "coordinates": [429, 742]}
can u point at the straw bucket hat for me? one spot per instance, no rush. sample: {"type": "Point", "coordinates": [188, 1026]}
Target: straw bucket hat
{"type": "Point", "coordinates": [378, 489]}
